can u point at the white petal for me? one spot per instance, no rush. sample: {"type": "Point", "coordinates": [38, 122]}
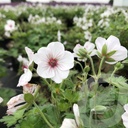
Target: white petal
{"type": "Point", "coordinates": [76, 48]}
{"type": "Point", "coordinates": [14, 101]}
{"type": "Point", "coordinates": [67, 61]}
{"type": "Point", "coordinates": [110, 62]}
{"type": "Point", "coordinates": [94, 52]}
{"type": "Point", "coordinates": [45, 71]}
{"type": "Point", "coordinates": [1, 99]}
{"type": "Point", "coordinates": [41, 55]}
{"type": "Point", "coordinates": [125, 119]}
{"type": "Point", "coordinates": [120, 54]}
{"type": "Point", "coordinates": [112, 43]}
{"type": "Point", "coordinates": [76, 113]}
{"type": "Point", "coordinates": [60, 75]}
{"type": "Point", "coordinates": [68, 123]}
{"type": "Point", "coordinates": [56, 48]}
{"type": "Point", "coordinates": [25, 78]}
{"type": "Point", "coordinates": [30, 54]}
{"type": "Point", "coordinates": [99, 43]}
{"type": "Point", "coordinates": [89, 46]}
{"type": "Point", "coordinates": [126, 107]}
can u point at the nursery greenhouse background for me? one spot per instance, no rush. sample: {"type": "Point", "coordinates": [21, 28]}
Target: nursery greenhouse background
{"type": "Point", "coordinates": [64, 63]}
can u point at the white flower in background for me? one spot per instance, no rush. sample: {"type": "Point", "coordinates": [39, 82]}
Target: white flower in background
{"type": "Point", "coordinates": [87, 35]}
{"type": "Point", "coordinates": [104, 23]}
{"type": "Point", "coordinates": [10, 26]}
{"type": "Point", "coordinates": [1, 99]}
{"type": "Point", "coordinates": [15, 103]}
{"type": "Point", "coordinates": [54, 62]}
{"type": "Point", "coordinates": [7, 34]}
{"type": "Point", "coordinates": [125, 116]}
{"type": "Point", "coordinates": [111, 49]}
{"type": "Point", "coordinates": [25, 77]}
{"type": "Point", "coordinates": [72, 123]}
{"type": "Point", "coordinates": [88, 47]}
{"type": "Point", "coordinates": [59, 36]}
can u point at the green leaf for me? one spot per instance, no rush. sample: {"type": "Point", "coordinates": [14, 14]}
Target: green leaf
{"type": "Point", "coordinates": [119, 82]}
{"type": "Point", "coordinates": [10, 120]}
{"type": "Point", "coordinates": [28, 98]}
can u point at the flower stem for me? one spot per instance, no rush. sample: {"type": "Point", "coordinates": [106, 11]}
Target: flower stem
{"type": "Point", "coordinates": [80, 65]}
{"type": "Point", "coordinates": [47, 82]}
{"type": "Point", "coordinates": [90, 119]}
{"type": "Point", "coordinates": [42, 115]}
{"type": "Point", "coordinates": [92, 65]}
{"type": "Point", "coordinates": [101, 63]}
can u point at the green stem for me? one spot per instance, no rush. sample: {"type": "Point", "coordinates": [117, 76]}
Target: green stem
{"type": "Point", "coordinates": [80, 65]}
{"type": "Point", "coordinates": [92, 65]}
{"type": "Point", "coordinates": [42, 115]}
{"type": "Point", "coordinates": [47, 82]}
{"type": "Point", "coordinates": [90, 119]}
{"type": "Point", "coordinates": [101, 63]}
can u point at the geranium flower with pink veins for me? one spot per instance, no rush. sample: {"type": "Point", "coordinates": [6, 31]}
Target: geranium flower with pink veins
{"type": "Point", "coordinates": [54, 62]}
{"type": "Point", "coordinates": [10, 26]}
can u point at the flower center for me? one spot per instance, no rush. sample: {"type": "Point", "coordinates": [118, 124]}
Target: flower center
{"type": "Point", "coordinates": [52, 62]}
{"type": "Point", "coordinates": [10, 26]}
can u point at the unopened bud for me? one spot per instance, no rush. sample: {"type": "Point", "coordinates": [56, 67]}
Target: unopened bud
{"type": "Point", "coordinates": [82, 52]}
{"type": "Point", "coordinates": [99, 108]}
{"type": "Point", "coordinates": [87, 69]}
{"type": "Point", "coordinates": [119, 65]}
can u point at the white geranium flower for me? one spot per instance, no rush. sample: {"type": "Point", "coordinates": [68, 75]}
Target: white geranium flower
{"type": "Point", "coordinates": [1, 99]}
{"type": "Point", "coordinates": [125, 116]}
{"type": "Point", "coordinates": [25, 78]}
{"type": "Point", "coordinates": [72, 123]}
{"type": "Point", "coordinates": [111, 49]}
{"type": "Point", "coordinates": [54, 62]}
{"type": "Point", "coordinates": [10, 26]}
{"type": "Point", "coordinates": [88, 47]}
{"type": "Point", "coordinates": [15, 103]}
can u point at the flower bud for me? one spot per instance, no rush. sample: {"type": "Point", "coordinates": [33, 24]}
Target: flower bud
{"type": "Point", "coordinates": [82, 52]}
{"type": "Point", "coordinates": [99, 109]}
{"type": "Point", "coordinates": [87, 69]}
{"type": "Point", "coordinates": [119, 65]}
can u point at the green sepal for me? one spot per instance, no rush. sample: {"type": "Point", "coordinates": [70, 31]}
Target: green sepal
{"type": "Point", "coordinates": [111, 53]}
{"type": "Point", "coordinates": [29, 98]}
{"type": "Point", "coordinates": [104, 49]}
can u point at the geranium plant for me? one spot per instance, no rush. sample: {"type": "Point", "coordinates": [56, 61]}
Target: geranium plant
{"type": "Point", "coordinates": [71, 89]}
